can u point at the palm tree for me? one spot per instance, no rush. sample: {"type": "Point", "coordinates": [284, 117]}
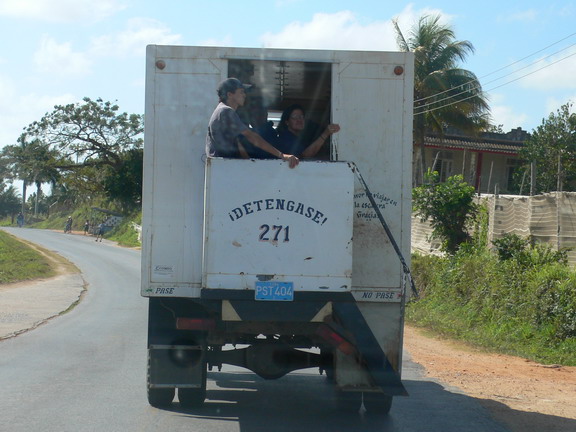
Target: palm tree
{"type": "Point", "coordinates": [16, 163]}
{"type": "Point", "coordinates": [32, 162]}
{"type": "Point", "coordinates": [9, 201]}
{"type": "Point", "coordinates": [43, 169]}
{"type": "Point", "coordinates": [444, 94]}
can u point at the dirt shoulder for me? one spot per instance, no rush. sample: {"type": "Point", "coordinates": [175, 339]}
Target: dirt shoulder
{"type": "Point", "coordinates": [524, 395]}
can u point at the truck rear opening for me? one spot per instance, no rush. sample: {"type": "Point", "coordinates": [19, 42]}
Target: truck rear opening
{"type": "Point", "coordinates": [250, 263]}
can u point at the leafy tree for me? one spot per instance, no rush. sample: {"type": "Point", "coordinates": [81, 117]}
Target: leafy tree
{"type": "Point", "coordinates": [15, 166]}
{"type": "Point", "coordinates": [552, 147]}
{"type": "Point", "coordinates": [33, 162]}
{"type": "Point", "coordinates": [449, 206]}
{"type": "Point", "coordinates": [9, 200]}
{"type": "Point", "coordinates": [4, 169]}
{"type": "Point", "coordinates": [92, 133]}
{"type": "Point", "coordinates": [125, 184]}
{"type": "Point", "coordinates": [65, 197]}
{"type": "Point", "coordinates": [86, 143]}
{"type": "Point", "coordinates": [444, 94]}
{"type": "Point", "coordinates": [499, 129]}
{"type": "Point", "coordinates": [38, 203]}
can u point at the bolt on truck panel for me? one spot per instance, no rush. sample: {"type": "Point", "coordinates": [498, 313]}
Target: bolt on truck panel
{"type": "Point", "coordinates": [279, 260]}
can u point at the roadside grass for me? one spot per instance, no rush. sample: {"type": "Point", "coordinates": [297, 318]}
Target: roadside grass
{"type": "Point", "coordinates": [19, 262]}
{"type": "Point", "coordinates": [501, 306]}
{"type": "Point", "coordinates": [124, 234]}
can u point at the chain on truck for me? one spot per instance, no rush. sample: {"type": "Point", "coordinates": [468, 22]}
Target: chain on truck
{"type": "Point", "coordinates": [250, 263]}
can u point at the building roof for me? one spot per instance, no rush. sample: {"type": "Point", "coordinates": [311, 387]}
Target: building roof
{"type": "Point", "coordinates": [508, 143]}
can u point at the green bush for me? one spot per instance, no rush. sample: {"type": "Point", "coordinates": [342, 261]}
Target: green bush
{"type": "Point", "coordinates": [125, 234]}
{"type": "Point", "coordinates": [523, 306]}
{"type": "Point", "coordinates": [449, 206]}
{"type": "Point", "coordinates": [512, 246]}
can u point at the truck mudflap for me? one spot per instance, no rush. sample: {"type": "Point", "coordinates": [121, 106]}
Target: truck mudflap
{"type": "Point", "coordinates": [371, 354]}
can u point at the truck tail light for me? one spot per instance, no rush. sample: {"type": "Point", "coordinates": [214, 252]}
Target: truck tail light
{"type": "Point", "coordinates": [335, 339]}
{"type": "Point", "coordinates": [195, 324]}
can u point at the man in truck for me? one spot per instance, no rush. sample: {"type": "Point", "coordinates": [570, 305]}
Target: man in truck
{"type": "Point", "coordinates": [225, 126]}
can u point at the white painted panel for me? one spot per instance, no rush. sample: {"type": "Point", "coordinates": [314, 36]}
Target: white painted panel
{"type": "Point", "coordinates": [178, 108]}
{"type": "Point", "coordinates": [372, 105]}
{"type": "Point", "coordinates": [267, 221]}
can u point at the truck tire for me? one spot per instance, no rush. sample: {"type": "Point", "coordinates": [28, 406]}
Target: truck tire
{"type": "Point", "coordinates": [349, 402]}
{"type": "Point", "coordinates": [377, 403]}
{"type": "Point", "coordinates": [160, 397]}
{"type": "Point", "coordinates": [193, 397]}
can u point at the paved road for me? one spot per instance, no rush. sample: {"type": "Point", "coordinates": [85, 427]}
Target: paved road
{"type": "Point", "coordinates": [85, 371]}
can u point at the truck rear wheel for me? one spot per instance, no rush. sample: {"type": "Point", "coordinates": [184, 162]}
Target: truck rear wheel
{"type": "Point", "coordinates": [160, 397]}
{"type": "Point", "coordinates": [377, 403]}
{"type": "Point", "coordinates": [193, 397]}
{"type": "Point", "coordinates": [348, 401]}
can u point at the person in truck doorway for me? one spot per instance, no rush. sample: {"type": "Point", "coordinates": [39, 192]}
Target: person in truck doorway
{"type": "Point", "coordinates": [225, 126]}
{"type": "Point", "coordinates": [291, 137]}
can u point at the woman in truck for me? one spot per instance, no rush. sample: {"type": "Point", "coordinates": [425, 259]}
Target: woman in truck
{"type": "Point", "coordinates": [291, 138]}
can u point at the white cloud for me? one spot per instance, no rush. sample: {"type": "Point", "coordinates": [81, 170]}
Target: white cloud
{"type": "Point", "coordinates": [133, 40]}
{"type": "Point", "coordinates": [524, 16]}
{"type": "Point", "coordinates": [18, 111]}
{"type": "Point", "coordinates": [224, 41]}
{"type": "Point", "coordinates": [504, 115]}
{"type": "Point", "coordinates": [345, 30]}
{"type": "Point", "coordinates": [60, 10]}
{"type": "Point", "coordinates": [409, 17]}
{"type": "Point", "coordinates": [340, 30]}
{"type": "Point", "coordinates": [556, 72]}
{"type": "Point", "coordinates": [60, 59]}
{"type": "Point", "coordinates": [553, 104]}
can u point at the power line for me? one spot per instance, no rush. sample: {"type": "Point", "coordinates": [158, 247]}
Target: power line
{"type": "Point", "coordinates": [479, 86]}
{"type": "Point", "coordinates": [494, 88]}
{"type": "Point", "coordinates": [504, 67]}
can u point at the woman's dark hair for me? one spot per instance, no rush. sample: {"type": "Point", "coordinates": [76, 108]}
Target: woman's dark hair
{"type": "Point", "coordinates": [286, 115]}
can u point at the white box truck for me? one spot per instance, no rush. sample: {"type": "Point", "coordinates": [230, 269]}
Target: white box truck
{"type": "Point", "coordinates": [250, 263]}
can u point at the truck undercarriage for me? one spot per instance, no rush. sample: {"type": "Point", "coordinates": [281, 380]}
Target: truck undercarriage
{"type": "Point", "coordinates": [188, 337]}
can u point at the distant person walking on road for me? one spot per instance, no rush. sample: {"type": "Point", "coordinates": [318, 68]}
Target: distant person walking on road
{"type": "Point", "coordinates": [20, 220]}
{"type": "Point", "coordinates": [100, 231]}
{"type": "Point", "coordinates": [86, 227]}
{"type": "Point", "coordinates": [68, 227]}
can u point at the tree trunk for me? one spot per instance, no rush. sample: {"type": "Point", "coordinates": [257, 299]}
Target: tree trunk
{"type": "Point", "coordinates": [24, 186]}
{"type": "Point", "coordinates": [38, 191]}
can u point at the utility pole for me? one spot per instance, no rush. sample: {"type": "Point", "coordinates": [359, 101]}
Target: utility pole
{"type": "Point", "coordinates": [532, 178]}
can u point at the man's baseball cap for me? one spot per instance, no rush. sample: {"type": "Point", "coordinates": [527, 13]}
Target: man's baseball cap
{"type": "Point", "coordinates": [230, 85]}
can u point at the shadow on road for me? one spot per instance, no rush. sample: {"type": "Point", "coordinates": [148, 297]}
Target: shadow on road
{"type": "Point", "coordinates": [305, 402]}
{"type": "Point", "coordinates": [519, 421]}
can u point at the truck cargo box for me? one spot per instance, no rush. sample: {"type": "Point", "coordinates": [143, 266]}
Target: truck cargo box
{"type": "Point", "coordinates": [282, 260]}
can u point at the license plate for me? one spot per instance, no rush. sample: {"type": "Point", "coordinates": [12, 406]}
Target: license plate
{"type": "Point", "coordinates": [274, 291]}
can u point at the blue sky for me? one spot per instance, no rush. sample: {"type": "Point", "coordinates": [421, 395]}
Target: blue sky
{"type": "Point", "coordinates": [59, 51]}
